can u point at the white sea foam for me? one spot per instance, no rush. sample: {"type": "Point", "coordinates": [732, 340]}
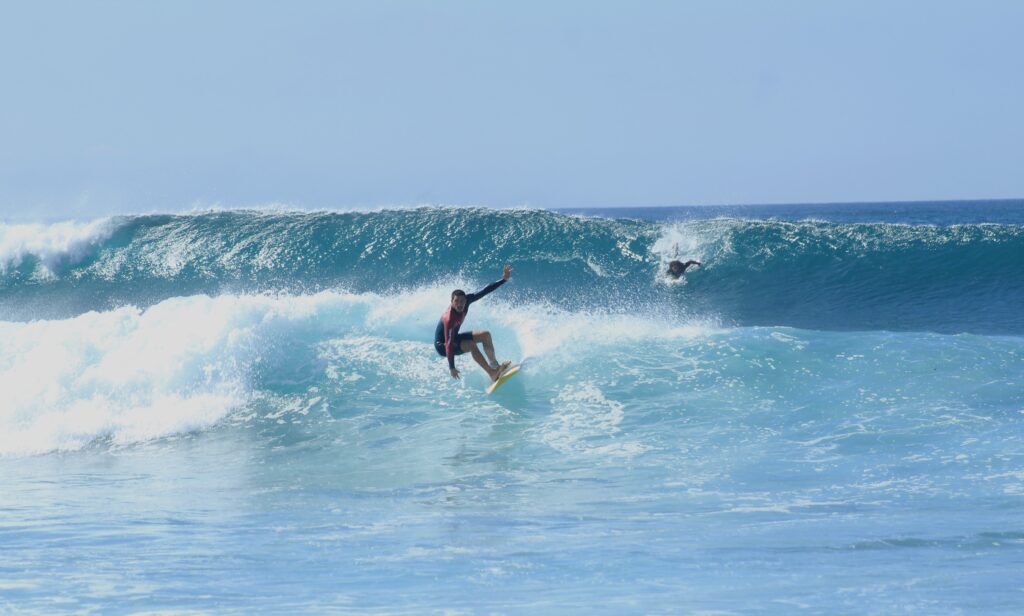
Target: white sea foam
{"type": "Point", "coordinates": [679, 241]}
{"type": "Point", "coordinates": [585, 421]}
{"type": "Point", "coordinates": [52, 244]}
{"type": "Point", "coordinates": [132, 375]}
{"type": "Point", "coordinates": [548, 331]}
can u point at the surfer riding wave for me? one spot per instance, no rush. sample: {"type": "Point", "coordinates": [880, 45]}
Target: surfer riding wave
{"type": "Point", "coordinates": [448, 342]}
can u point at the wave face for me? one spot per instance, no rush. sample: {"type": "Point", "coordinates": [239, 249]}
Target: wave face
{"type": "Point", "coordinates": [809, 274]}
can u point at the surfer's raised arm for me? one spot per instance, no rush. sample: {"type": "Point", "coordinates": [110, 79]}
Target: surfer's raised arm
{"type": "Point", "coordinates": [448, 342]}
{"type": "Point", "coordinates": [506, 273]}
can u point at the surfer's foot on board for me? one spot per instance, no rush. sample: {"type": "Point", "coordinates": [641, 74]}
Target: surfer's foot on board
{"type": "Point", "coordinates": [499, 369]}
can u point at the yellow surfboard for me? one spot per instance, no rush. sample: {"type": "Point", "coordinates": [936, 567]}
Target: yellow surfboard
{"type": "Point", "coordinates": [506, 375]}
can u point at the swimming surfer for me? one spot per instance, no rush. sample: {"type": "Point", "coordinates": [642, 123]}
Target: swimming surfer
{"type": "Point", "coordinates": [448, 342]}
{"type": "Point", "coordinates": [677, 268]}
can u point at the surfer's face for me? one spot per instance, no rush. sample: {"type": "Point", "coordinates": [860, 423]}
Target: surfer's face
{"type": "Point", "coordinates": [459, 303]}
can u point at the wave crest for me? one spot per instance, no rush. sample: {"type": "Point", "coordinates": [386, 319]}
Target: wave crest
{"type": "Point", "coordinates": [51, 245]}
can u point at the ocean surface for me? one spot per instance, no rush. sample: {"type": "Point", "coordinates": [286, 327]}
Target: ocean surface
{"type": "Point", "coordinates": [239, 411]}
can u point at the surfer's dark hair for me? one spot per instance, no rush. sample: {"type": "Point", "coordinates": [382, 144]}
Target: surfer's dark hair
{"type": "Point", "coordinates": [457, 292]}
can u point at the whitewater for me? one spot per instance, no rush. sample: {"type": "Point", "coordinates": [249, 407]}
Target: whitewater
{"type": "Point", "coordinates": [241, 410]}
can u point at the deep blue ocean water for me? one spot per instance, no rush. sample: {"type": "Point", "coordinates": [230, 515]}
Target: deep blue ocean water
{"type": "Point", "coordinates": [238, 411]}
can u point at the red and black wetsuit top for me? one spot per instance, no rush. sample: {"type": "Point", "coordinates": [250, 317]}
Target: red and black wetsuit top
{"type": "Point", "coordinates": [446, 336]}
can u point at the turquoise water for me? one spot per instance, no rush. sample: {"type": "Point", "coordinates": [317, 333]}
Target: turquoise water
{"type": "Point", "coordinates": [238, 411]}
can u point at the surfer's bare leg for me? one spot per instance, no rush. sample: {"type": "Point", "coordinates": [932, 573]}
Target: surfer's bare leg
{"type": "Point", "coordinates": [484, 337]}
{"type": "Point", "coordinates": [478, 357]}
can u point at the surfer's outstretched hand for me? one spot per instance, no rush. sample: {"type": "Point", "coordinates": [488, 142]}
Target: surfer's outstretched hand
{"type": "Point", "coordinates": [455, 373]}
{"type": "Point", "coordinates": [508, 272]}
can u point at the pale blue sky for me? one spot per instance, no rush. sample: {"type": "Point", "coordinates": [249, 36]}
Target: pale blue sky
{"type": "Point", "coordinates": [133, 106]}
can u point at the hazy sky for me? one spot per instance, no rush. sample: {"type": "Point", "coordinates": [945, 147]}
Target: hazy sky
{"type": "Point", "coordinates": [162, 106]}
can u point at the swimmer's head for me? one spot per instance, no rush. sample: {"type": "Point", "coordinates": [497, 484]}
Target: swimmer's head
{"type": "Point", "coordinates": [676, 268]}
